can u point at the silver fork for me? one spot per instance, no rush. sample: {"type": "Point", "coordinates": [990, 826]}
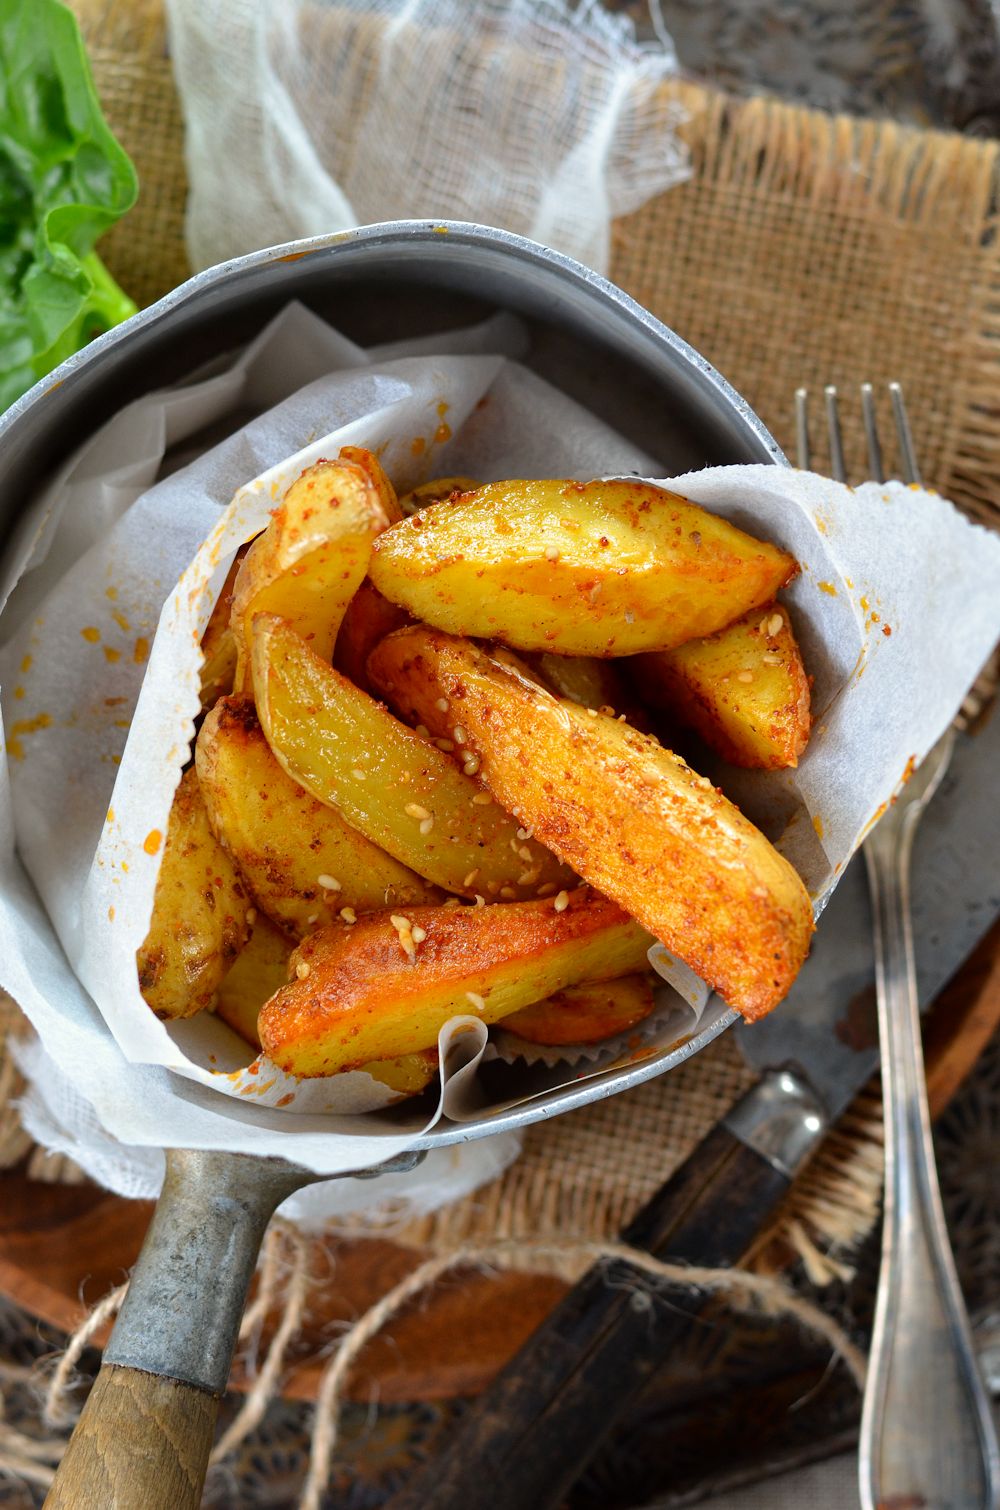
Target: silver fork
{"type": "Point", "coordinates": [927, 1434]}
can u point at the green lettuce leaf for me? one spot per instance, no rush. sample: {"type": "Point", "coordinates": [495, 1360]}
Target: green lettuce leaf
{"type": "Point", "coordinates": [63, 181]}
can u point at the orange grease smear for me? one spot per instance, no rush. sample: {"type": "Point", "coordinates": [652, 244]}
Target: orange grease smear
{"type": "Point", "coordinates": [152, 841]}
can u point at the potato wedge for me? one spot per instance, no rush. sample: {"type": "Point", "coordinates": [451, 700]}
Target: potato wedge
{"type": "Point", "coordinates": [744, 690]}
{"type": "Point", "coordinates": [261, 968]}
{"type": "Point", "coordinates": [311, 559]}
{"type": "Point", "coordinates": [596, 568]}
{"type": "Point", "coordinates": [300, 860]}
{"type": "Point", "coordinates": [408, 1074]}
{"type": "Point", "coordinates": [591, 683]}
{"type": "Point", "coordinates": [218, 643]}
{"type": "Point", "coordinates": [584, 1014]}
{"type": "Point", "coordinates": [388, 782]}
{"type": "Point", "coordinates": [631, 817]}
{"type": "Point", "coordinates": [200, 906]}
{"type": "Point", "coordinates": [386, 986]}
{"type": "Point", "coordinates": [434, 491]}
{"type": "Point", "coordinates": [369, 618]}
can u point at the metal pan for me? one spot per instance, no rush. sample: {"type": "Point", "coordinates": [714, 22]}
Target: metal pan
{"type": "Point", "coordinates": [169, 1356]}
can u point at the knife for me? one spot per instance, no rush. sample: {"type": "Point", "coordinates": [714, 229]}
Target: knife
{"type": "Point", "coordinates": [533, 1432]}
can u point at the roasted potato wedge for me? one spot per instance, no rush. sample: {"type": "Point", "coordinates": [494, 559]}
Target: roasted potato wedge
{"type": "Point", "coordinates": [408, 1074]}
{"type": "Point", "coordinates": [200, 913]}
{"type": "Point", "coordinates": [311, 559]}
{"type": "Point", "coordinates": [631, 817]}
{"type": "Point", "coordinates": [218, 643]}
{"type": "Point", "coordinates": [369, 618]}
{"type": "Point", "coordinates": [300, 860]}
{"type": "Point", "coordinates": [261, 968]}
{"type": "Point", "coordinates": [744, 690]}
{"type": "Point", "coordinates": [387, 985]}
{"type": "Point", "coordinates": [584, 1014]}
{"type": "Point", "coordinates": [589, 682]}
{"type": "Point", "coordinates": [388, 782]}
{"type": "Point", "coordinates": [434, 491]}
{"type": "Point", "coordinates": [596, 568]}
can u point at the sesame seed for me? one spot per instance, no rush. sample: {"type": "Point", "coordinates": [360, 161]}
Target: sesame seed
{"type": "Point", "coordinates": [607, 710]}
{"type": "Point", "coordinates": [569, 524]}
{"type": "Point", "coordinates": [775, 623]}
{"type": "Point", "coordinates": [551, 553]}
{"type": "Point", "coordinates": [251, 916]}
{"type": "Point", "coordinates": [492, 887]}
{"type": "Point", "coordinates": [771, 660]}
{"type": "Point", "coordinates": [595, 592]}
{"type": "Point", "coordinates": [475, 1000]}
{"type": "Point", "coordinates": [529, 877]}
{"type": "Point", "coordinates": [744, 676]}
{"type": "Point", "coordinates": [418, 933]}
{"type": "Point", "coordinates": [348, 914]}
{"type": "Point", "coordinates": [312, 918]}
{"type": "Point", "coordinates": [459, 734]}
{"type": "Point", "coordinates": [482, 799]}
{"type": "Point", "coordinates": [561, 902]}
{"type": "Point", "coordinates": [508, 893]}
{"type": "Point", "coordinates": [358, 773]}
{"type": "Point", "coordinates": [471, 765]}
{"type": "Point", "coordinates": [404, 929]}
{"type": "Point", "coordinates": [546, 890]}
{"type": "Point", "coordinates": [445, 745]}
{"type": "Point", "coordinates": [414, 810]}
{"type": "Point", "coordinates": [480, 901]}
{"type": "Point", "coordinates": [301, 969]}
{"type": "Point", "coordinates": [426, 824]}
{"type": "Point", "coordinates": [328, 883]}
{"type": "Point", "coordinates": [592, 712]}
{"type": "Point", "coordinates": [524, 853]}
{"type": "Point", "coordinates": [470, 878]}
{"type": "Point", "coordinates": [423, 731]}
{"type": "Point", "coordinates": [451, 902]}
{"type": "Point", "coordinates": [442, 705]}
{"type": "Point", "coordinates": [524, 833]}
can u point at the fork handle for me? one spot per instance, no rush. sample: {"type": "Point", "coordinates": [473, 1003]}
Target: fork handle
{"type": "Point", "coordinates": [927, 1435]}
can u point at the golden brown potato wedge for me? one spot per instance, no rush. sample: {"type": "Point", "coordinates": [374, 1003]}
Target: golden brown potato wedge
{"type": "Point", "coordinates": [261, 969]}
{"type": "Point", "coordinates": [388, 782]}
{"type": "Point", "coordinates": [744, 690]}
{"type": "Point", "coordinates": [584, 1014]}
{"type": "Point", "coordinates": [200, 913]}
{"type": "Point", "coordinates": [408, 1074]}
{"type": "Point", "coordinates": [218, 643]}
{"type": "Point", "coordinates": [311, 559]}
{"type": "Point", "coordinates": [369, 618]}
{"type": "Point", "coordinates": [596, 568]}
{"type": "Point", "coordinates": [301, 861]}
{"type": "Point", "coordinates": [386, 986]}
{"type": "Point", "coordinates": [631, 817]}
{"type": "Point", "coordinates": [589, 682]}
{"type": "Point", "coordinates": [434, 491]}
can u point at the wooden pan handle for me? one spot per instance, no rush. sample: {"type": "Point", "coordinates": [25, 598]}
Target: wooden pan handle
{"type": "Point", "coordinates": [137, 1430]}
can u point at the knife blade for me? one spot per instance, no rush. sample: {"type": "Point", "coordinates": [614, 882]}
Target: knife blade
{"type": "Point", "coordinates": [532, 1433]}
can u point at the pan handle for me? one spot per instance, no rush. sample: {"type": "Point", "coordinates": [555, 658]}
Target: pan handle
{"type": "Point", "coordinates": [529, 1437]}
{"type": "Point", "coordinates": [144, 1436]}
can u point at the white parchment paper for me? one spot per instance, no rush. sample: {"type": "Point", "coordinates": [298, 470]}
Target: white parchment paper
{"type": "Point", "coordinates": [100, 686]}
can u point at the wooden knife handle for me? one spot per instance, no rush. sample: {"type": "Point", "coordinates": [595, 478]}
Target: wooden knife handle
{"type": "Point", "coordinates": [137, 1430]}
{"type": "Point", "coordinates": [530, 1436]}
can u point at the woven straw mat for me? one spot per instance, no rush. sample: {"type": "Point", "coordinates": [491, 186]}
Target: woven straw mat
{"type": "Point", "coordinates": [805, 249]}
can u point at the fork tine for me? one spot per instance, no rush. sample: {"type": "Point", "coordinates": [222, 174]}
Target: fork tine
{"type": "Point", "coordinates": [907, 450]}
{"type": "Point", "coordinates": [837, 467]}
{"type": "Point", "coordinates": [871, 433]}
{"type": "Point", "coordinates": [802, 429]}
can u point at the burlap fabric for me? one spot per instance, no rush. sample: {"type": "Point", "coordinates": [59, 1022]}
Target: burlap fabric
{"type": "Point", "coordinates": [805, 250]}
